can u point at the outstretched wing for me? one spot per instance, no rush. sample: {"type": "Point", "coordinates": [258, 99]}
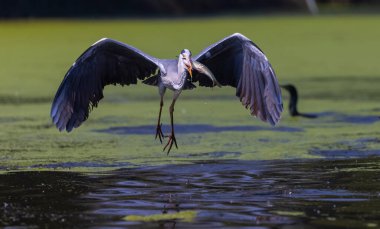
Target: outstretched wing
{"type": "Point", "coordinates": [105, 62]}
{"type": "Point", "coordinates": [236, 61]}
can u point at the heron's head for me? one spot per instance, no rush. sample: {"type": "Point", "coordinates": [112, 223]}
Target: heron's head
{"type": "Point", "coordinates": [185, 57]}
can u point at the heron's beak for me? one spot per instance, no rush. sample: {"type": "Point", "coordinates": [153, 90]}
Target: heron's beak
{"type": "Point", "coordinates": [190, 69]}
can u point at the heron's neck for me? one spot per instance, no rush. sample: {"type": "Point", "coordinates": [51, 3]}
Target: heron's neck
{"type": "Point", "coordinates": [180, 81]}
{"type": "Point", "coordinates": [181, 67]}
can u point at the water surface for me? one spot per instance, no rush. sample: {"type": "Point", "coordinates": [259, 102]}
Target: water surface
{"type": "Point", "coordinates": [225, 194]}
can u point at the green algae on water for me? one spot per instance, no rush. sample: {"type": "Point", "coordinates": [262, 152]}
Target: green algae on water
{"type": "Point", "coordinates": [184, 216]}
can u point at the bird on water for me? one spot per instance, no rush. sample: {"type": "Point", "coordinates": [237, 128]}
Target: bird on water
{"type": "Point", "coordinates": [293, 111]}
{"type": "Point", "coordinates": [233, 61]}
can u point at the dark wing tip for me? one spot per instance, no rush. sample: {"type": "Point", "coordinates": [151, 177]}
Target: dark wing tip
{"type": "Point", "coordinates": [274, 99]}
{"type": "Point", "coordinates": [61, 113]}
{"type": "Point", "coordinates": [258, 88]}
{"type": "Point", "coordinates": [275, 116]}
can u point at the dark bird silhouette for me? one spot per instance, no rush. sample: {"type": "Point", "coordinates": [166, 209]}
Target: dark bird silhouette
{"type": "Point", "coordinates": [293, 102]}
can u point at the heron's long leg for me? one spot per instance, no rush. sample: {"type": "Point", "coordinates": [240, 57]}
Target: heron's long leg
{"type": "Point", "coordinates": [159, 133]}
{"type": "Point", "coordinates": [172, 136]}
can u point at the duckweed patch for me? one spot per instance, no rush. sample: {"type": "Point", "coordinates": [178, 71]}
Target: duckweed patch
{"type": "Point", "coordinates": [185, 216]}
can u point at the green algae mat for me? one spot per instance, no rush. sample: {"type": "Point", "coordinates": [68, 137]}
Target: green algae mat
{"type": "Point", "coordinates": [332, 60]}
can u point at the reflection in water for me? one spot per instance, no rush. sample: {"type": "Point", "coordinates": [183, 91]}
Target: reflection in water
{"type": "Point", "coordinates": [317, 193]}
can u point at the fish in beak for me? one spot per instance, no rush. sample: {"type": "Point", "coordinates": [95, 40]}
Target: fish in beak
{"type": "Point", "coordinates": [205, 71]}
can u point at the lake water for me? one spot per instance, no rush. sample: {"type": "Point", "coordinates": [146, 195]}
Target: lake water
{"type": "Point", "coordinates": [310, 193]}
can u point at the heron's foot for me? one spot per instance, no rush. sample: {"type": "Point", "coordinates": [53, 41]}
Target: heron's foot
{"type": "Point", "coordinates": [170, 143]}
{"type": "Point", "coordinates": [159, 133]}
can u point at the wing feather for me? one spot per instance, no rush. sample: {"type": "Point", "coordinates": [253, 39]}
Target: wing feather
{"type": "Point", "coordinates": [105, 62]}
{"type": "Point", "coordinates": [236, 61]}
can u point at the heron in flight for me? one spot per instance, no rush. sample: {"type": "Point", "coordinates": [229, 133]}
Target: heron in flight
{"type": "Point", "coordinates": [233, 61]}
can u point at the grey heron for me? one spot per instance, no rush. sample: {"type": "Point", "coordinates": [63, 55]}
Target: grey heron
{"type": "Point", "coordinates": [233, 61]}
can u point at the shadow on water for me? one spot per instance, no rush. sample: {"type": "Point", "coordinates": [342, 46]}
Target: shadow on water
{"type": "Point", "coordinates": [332, 117]}
{"type": "Point", "coordinates": [192, 128]}
{"type": "Point", "coordinates": [336, 117]}
{"type": "Point", "coordinates": [348, 118]}
{"type": "Point", "coordinates": [341, 154]}
{"type": "Point", "coordinates": [268, 194]}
